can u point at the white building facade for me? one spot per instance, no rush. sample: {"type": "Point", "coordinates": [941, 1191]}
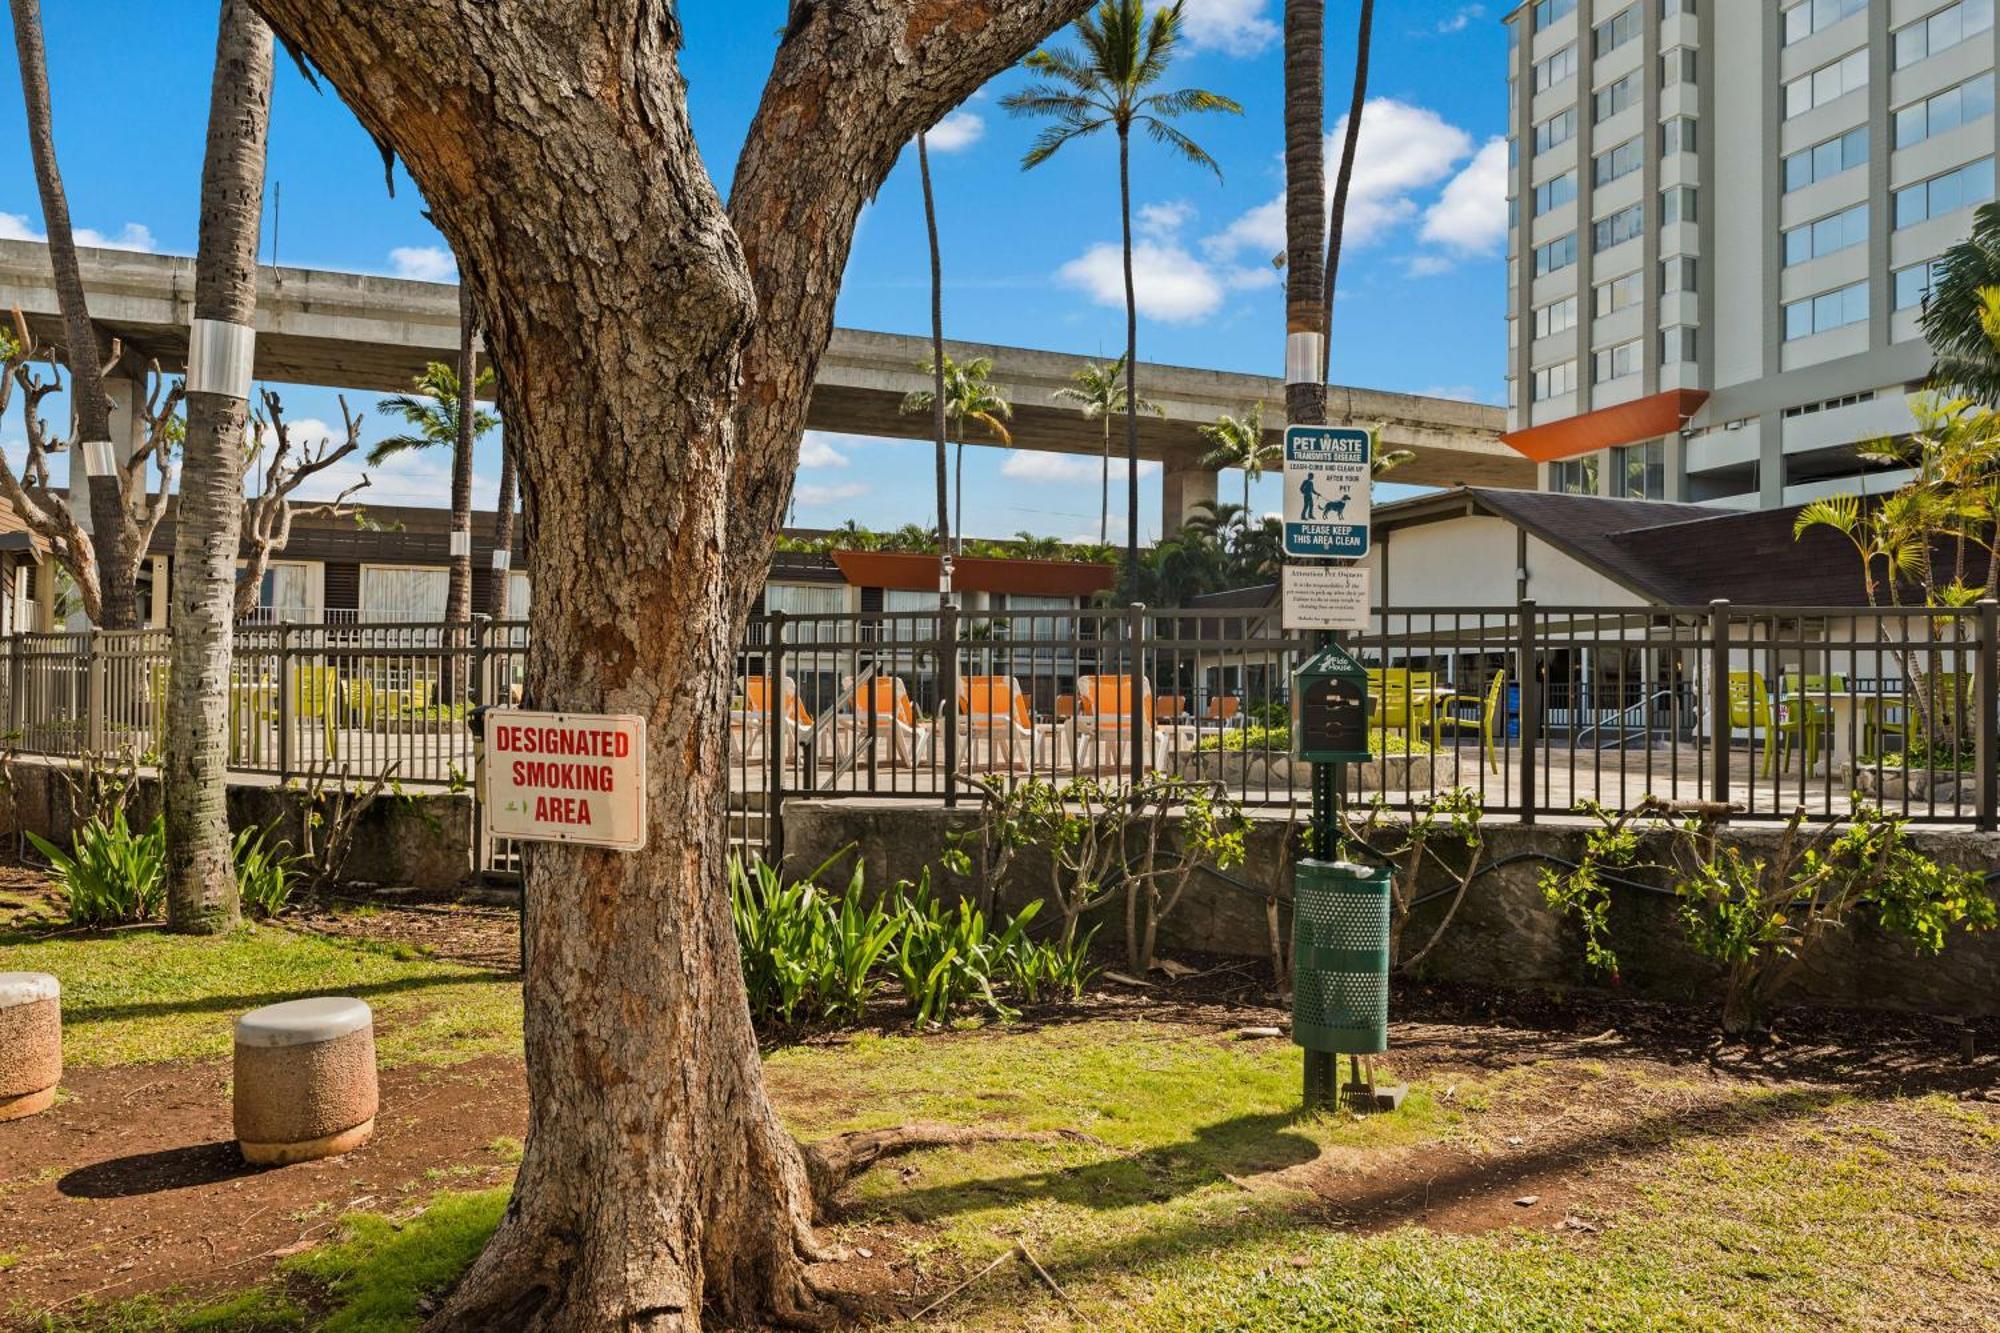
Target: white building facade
{"type": "Point", "coordinates": [1722, 219]}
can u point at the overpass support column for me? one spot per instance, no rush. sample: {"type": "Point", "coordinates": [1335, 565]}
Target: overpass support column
{"type": "Point", "coordinates": [1184, 485]}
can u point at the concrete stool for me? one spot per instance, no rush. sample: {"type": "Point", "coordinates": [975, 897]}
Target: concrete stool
{"type": "Point", "coordinates": [305, 1080]}
{"type": "Point", "coordinates": [30, 1043]}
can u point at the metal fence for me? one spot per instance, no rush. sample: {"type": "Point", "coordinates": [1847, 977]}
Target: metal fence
{"type": "Point", "coordinates": [1536, 709]}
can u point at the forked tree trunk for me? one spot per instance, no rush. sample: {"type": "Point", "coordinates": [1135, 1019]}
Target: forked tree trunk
{"type": "Point", "coordinates": [553, 145]}
{"type": "Point", "coordinates": [201, 879]}
{"type": "Point", "coordinates": [117, 597]}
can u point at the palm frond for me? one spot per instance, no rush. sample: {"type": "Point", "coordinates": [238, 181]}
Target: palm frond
{"type": "Point", "coordinates": [1161, 132]}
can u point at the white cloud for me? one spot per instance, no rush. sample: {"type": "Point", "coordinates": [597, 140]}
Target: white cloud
{"type": "Point", "coordinates": [1168, 283]}
{"type": "Point", "coordinates": [1404, 149]}
{"type": "Point", "coordinates": [1235, 27]}
{"type": "Point", "coordinates": [960, 129]}
{"type": "Point", "coordinates": [819, 495]}
{"type": "Point", "coordinates": [1067, 469]}
{"type": "Point", "coordinates": [1430, 266]}
{"type": "Point", "coordinates": [132, 236]}
{"type": "Point", "coordinates": [1164, 221]}
{"type": "Point", "coordinates": [817, 450]}
{"type": "Point", "coordinates": [424, 263]}
{"type": "Point", "coordinates": [1470, 215]}
{"type": "Point", "coordinates": [1462, 19]}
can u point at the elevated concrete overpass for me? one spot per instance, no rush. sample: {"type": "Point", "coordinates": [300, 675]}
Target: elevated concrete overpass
{"type": "Point", "coordinates": [357, 331]}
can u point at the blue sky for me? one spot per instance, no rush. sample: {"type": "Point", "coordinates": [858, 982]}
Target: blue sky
{"type": "Point", "coordinates": [1030, 258]}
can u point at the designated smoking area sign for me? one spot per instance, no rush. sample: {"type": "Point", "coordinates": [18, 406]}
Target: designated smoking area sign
{"type": "Point", "coordinates": [1327, 491]}
{"type": "Point", "coordinates": [566, 777]}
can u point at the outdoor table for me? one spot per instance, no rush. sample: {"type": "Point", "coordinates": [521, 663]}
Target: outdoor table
{"type": "Point", "coordinates": [1842, 708]}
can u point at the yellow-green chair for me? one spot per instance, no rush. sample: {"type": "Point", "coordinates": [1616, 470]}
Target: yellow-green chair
{"type": "Point", "coordinates": [315, 698]}
{"type": "Point", "coordinates": [255, 697]}
{"type": "Point", "coordinates": [1750, 708]}
{"type": "Point", "coordinates": [1389, 699]}
{"type": "Point", "coordinates": [1492, 709]}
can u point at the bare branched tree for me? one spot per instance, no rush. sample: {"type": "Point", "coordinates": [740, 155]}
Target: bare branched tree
{"type": "Point", "coordinates": [268, 512]}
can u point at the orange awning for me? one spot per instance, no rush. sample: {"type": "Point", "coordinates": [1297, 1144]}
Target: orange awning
{"type": "Point", "coordinates": [1627, 423]}
{"type": "Point", "coordinates": [1036, 578]}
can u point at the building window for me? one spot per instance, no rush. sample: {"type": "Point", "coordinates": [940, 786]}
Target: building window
{"type": "Point", "coordinates": [1617, 229]}
{"type": "Point", "coordinates": [1556, 317]}
{"type": "Point", "coordinates": [517, 595]}
{"type": "Point", "coordinates": [1677, 66]}
{"type": "Point", "coordinates": [1555, 381]}
{"type": "Point", "coordinates": [403, 593]}
{"type": "Point", "coordinates": [1829, 310]}
{"type": "Point", "coordinates": [1669, 8]}
{"type": "Point", "coordinates": [812, 599]}
{"type": "Point", "coordinates": [1677, 345]}
{"type": "Point", "coordinates": [1823, 85]}
{"type": "Point", "coordinates": [1560, 66]}
{"type": "Point", "coordinates": [1618, 293]}
{"type": "Point", "coordinates": [1677, 204]}
{"type": "Point", "coordinates": [1615, 31]}
{"type": "Point", "coordinates": [1942, 30]}
{"type": "Point", "coordinates": [285, 596]}
{"type": "Point", "coordinates": [1677, 135]}
{"type": "Point", "coordinates": [1617, 163]}
{"type": "Point", "coordinates": [1803, 20]}
{"type": "Point", "coordinates": [1828, 235]}
{"type": "Point", "coordinates": [1557, 254]}
{"type": "Point", "coordinates": [1969, 101]}
{"type": "Point", "coordinates": [1554, 131]}
{"type": "Point", "coordinates": [1615, 363]}
{"type": "Point", "coordinates": [1824, 161]}
{"type": "Point", "coordinates": [1574, 476]}
{"type": "Point", "coordinates": [1913, 284]}
{"type": "Point", "coordinates": [1555, 193]}
{"type": "Point", "coordinates": [1960, 188]}
{"type": "Point", "coordinates": [1639, 471]}
{"type": "Point", "coordinates": [1549, 11]}
{"type": "Point", "coordinates": [1677, 275]}
{"type": "Point", "coordinates": [1614, 97]}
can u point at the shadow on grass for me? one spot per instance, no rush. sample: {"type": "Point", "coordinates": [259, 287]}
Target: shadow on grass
{"type": "Point", "coordinates": [81, 1015]}
{"type": "Point", "coordinates": [157, 1172]}
{"type": "Point", "coordinates": [1397, 1198]}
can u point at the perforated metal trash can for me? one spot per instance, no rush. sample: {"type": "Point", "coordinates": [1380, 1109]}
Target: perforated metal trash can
{"type": "Point", "coordinates": [1340, 957]}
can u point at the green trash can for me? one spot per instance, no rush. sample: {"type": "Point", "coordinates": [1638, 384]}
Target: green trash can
{"type": "Point", "coordinates": [1340, 957]}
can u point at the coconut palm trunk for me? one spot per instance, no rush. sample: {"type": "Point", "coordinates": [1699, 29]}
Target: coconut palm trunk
{"type": "Point", "coordinates": [201, 878]}
{"type": "Point", "coordinates": [1337, 226]}
{"type": "Point", "coordinates": [947, 525]}
{"type": "Point", "coordinates": [1305, 198]}
{"type": "Point", "coordinates": [1104, 491]}
{"type": "Point", "coordinates": [503, 526]}
{"type": "Point", "coordinates": [1131, 366]}
{"type": "Point", "coordinates": [458, 588]}
{"type": "Point", "coordinates": [118, 603]}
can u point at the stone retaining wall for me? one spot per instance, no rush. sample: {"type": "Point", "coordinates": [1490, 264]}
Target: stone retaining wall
{"type": "Point", "coordinates": [1504, 933]}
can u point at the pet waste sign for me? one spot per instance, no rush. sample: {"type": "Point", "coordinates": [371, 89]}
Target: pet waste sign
{"type": "Point", "coordinates": [1327, 491]}
{"type": "Point", "coordinates": [566, 777]}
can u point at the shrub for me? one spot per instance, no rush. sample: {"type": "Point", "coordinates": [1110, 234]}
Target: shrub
{"type": "Point", "coordinates": [946, 956]}
{"type": "Point", "coordinates": [111, 875]}
{"type": "Point", "coordinates": [1036, 971]}
{"type": "Point", "coordinates": [805, 958]}
{"type": "Point", "coordinates": [266, 872]}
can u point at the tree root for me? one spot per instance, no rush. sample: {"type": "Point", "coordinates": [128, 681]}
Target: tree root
{"type": "Point", "coordinates": [831, 1163]}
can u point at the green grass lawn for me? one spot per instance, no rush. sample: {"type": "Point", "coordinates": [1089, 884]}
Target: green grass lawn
{"type": "Point", "coordinates": [1712, 1202]}
{"type": "Point", "coordinates": [135, 996]}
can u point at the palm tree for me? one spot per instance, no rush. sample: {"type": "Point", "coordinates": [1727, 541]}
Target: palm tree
{"type": "Point", "coordinates": [1954, 318]}
{"type": "Point", "coordinates": [1389, 461]}
{"type": "Point", "coordinates": [938, 426]}
{"type": "Point", "coordinates": [1337, 223]}
{"type": "Point", "coordinates": [201, 876]}
{"type": "Point", "coordinates": [1127, 47]}
{"type": "Point", "coordinates": [1099, 393]}
{"type": "Point", "coordinates": [967, 397]}
{"type": "Point", "coordinates": [1240, 442]}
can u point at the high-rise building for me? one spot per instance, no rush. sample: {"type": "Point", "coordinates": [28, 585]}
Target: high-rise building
{"type": "Point", "coordinates": [1722, 217]}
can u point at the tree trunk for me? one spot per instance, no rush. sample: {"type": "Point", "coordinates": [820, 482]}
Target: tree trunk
{"type": "Point", "coordinates": [1305, 196]}
{"type": "Point", "coordinates": [1104, 494]}
{"type": "Point", "coordinates": [503, 526]}
{"type": "Point", "coordinates": [1337, 228]}
{"type": "Point", "coordinates": [458, 587]}
{"type": "Point", "coordinates": [634, 324]}
{"type": "Point", "coordinates": [201, 878]}
{"type": "Point", "coordinates": [1131, 370]}
{"type": "Point", "coordinates": [958, 486]}
{"type": "Point", "coordinates": [946, 525]}
{"type": "Point", "coordinates": [117, 597]}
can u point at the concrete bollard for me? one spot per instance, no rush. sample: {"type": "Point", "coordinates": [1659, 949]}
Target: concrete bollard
{"type": "Point", "coordinates": [305, 1080]}
{"type": "Point", "coordinates": [30, 1043]}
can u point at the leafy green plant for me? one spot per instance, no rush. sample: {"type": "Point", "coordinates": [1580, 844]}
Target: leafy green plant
{"type": "Point", "coordinates": [1038, 970]}
{"type": "Point", "coordinates": [945, 956]}
{"type": "Point", "coordinates": [1761, 917]}
{"type": "Point", "coordinates": [807, 956]}
{"type": "Point", "coordinates": [111, 875]}
{"type": "Point", "coordinates": [1416, 845]}
{"type": "Point", "coordinates": [266, 872]}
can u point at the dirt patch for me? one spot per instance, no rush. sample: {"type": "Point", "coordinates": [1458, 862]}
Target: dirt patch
{"type": "Point", "coordinates": [454, 932]}
{"type": "Point", "coordinates": [133, 1183]}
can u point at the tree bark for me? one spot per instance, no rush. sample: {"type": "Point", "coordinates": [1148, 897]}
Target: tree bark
{"type": "Point", "coordinates": [503, 526]}
{"type": "Point", "coordinates": [1305, 198]}
{"type": "Point", "coordinates": [1337, 228]}
{"type": "Point", "coordinates": [1131, 370]}
{"type": "Point", "coordinates": [118, 604]}
{"type": "Point", "coordinates": [458, 586]}
{"type": "Point", "coordinates": [945, 523]}
{"type": "Point", "coordinates": [201, 877]}
{"type": "Point", "coordinates": [631, 322]}
{"type": "Point", "coordinates": [1104, 490]}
